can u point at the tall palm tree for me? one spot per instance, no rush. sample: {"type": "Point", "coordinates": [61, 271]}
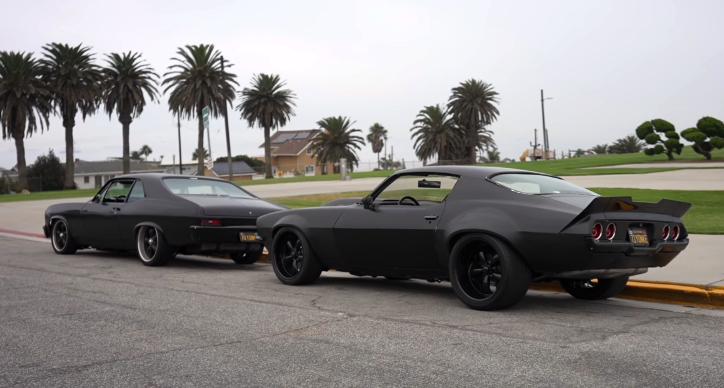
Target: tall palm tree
{"type": "Point", "coordinates": [377, 138]}
{"type": "Point", "coordinates": [145, 151]}
{"type": "Point", "coordinates": [200, 155]}
{"type": "Point", "coordinates": [25, 103]}
{"type": "Point", "coordinates": [127, 80]}
{"type": "Point", "coordinates": [75, 82]}
{"type": "Point", "coordinates": [492, 155]}
{"type": "Point", "coordinates": [268, 105]}
{"type": "Point", "coordinates": [435, 134]}
{"type": "Point", "coordinates": [473, 106]}
{"type": "Point", "coordinates": [197, 81]}
{"type": "Point", "coordinates": [600, 149]}
{"type": "Point", "coordinates": [337, 140]}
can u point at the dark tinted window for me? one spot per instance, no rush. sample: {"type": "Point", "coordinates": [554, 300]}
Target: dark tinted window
{"type": "Point", "coordinates": [137, 192]}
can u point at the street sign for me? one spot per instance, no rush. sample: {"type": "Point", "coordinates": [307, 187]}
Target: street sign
{"type": "Point", "coordinates": [206, 113]}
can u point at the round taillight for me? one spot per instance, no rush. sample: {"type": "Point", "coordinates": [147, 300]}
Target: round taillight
{"type": "Point", "coordinates": [610, 231]}
{"type": "Point", "coordinates": [665, 232]}
{"type": "Point", "coordinates": [675, 232]}
{"type": "Point", "coordinates": [597, 231]}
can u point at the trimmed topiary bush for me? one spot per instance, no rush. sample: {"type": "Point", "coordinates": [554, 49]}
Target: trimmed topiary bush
{"type": "Point", "coordinates": [706, 136]}
{"type": "Point", "coordinates": [650, 132]}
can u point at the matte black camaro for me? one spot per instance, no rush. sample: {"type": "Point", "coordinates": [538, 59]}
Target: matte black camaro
{"type": "Point", "coordinates": [161, 215]}
{"type": "Point", "coordinates": [490, 231]}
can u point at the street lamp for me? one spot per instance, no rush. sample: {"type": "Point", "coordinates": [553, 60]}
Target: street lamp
{"type": "Point", "coordinates": [545, 131]}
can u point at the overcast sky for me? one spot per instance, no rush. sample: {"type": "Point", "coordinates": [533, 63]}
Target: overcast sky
{"type": "Point", "coordinates": [609, 65]}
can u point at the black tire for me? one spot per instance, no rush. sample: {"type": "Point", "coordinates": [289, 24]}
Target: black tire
{"type": "Point", "coordinates": [249, 257]}
{"type": "Point", "coordinates": [61, 239]}
{"type": "Point", "coordinates": [292, 258]}
{"type": "Point", "coordinates": [153, 250]}
{"type": "Point", "coordinates": [486, 274]}
{"type": "Point", "coordinates": [602, 289]}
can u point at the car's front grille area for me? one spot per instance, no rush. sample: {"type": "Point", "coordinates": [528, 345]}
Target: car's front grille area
{"type": "Point", "coordinates": [247, 221]}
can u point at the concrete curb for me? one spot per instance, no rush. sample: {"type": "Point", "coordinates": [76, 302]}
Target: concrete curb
{"type": "Point", "coordinates": [660, 292]}
{"type": "Point", "coordinates": [28, 234]}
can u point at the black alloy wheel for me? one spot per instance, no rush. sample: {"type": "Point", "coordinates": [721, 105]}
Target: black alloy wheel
{"type": "Point", "coordinates": [600, 289]}
{"type": "Point", "coordinates": [152, 247]}
{"type": "Point", "coordinates": [487, 274]}
{"type": "Point", "coordinates": [292, 259]}
{"type": "Point", "coordinates": [61, 239]}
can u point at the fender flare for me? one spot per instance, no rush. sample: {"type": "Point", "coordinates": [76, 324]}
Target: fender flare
{"type": "Point", "coordinates": [146, 223]}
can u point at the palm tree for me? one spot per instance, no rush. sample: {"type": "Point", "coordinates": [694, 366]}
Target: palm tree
{"type": "Point", "coordinates": [435, 134]}
{"type": "Point", "coordinates": [75, 82]}
{"type": "Point", "coordinates": [135, 155]}
{"type": "Point", "coordinates": [337, 140]}
{"type": "Point", "coordinates": [197, 81]}
{"type": "Point", "coordinates": [126, 79]}
{"type": "Point", "coordinates": [600, 149]}
{"type": "Point", "coordinates": [492, 156]}
{"type": "Point", "coordinates": [626, 145]}
{"type": "Point", "coordinates": [145, 151]}
{"type": "Point", "coordinates": [268, 105]}
{"type": "Point", "coordinates": [25, 103]}
{"type": "Point", "coordinates": [377, 138]}
{"type": "Point", "coordinates": [472, 105]}
{"type": "Point", "coordinates": [200, 155]}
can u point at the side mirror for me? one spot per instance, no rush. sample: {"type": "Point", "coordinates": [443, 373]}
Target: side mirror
{"type": "Point", "coordinates": [368, 202]}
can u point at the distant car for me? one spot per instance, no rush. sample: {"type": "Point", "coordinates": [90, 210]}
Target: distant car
{"type": "Point", "coordinates": [161, 215]}
{"type": "Point", "coordinates": [490, 231]}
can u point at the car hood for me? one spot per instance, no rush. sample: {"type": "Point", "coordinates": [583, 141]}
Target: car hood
{"type": "Point", "coordinates": [234, 207]}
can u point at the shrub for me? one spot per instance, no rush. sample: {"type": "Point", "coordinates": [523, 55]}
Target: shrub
{"type": "Point", "coordinates": [49, 171]}
{"type": "Point", "coordinates": [649, 132]}
{"type": "Point", "coordinates": [706, 136]}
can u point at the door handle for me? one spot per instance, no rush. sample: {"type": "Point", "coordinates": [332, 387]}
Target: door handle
{"type": "Point", "coordinates": [430, 218]}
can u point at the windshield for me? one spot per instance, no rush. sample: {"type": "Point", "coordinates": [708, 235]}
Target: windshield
{"type": "Point", "coordinates": [194, 186]}
{"type": "Point", "coordinates": [538, 184]}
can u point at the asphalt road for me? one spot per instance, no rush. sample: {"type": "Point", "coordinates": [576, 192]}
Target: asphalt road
{"type": "Point", "coordinates": [104, 320]}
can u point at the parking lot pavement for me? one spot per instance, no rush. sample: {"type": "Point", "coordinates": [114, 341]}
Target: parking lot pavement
{"type": "Point", "coordinates": [103, 319]}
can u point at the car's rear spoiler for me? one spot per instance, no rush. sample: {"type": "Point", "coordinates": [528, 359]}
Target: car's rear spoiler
{"type": "Point", "coordinates": [602, 205]}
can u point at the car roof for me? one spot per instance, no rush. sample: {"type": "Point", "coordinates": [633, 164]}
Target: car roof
{"type": "Point", "coordinates": [159, 176]}
{"type": "Point", "coordinates": [480, 172]}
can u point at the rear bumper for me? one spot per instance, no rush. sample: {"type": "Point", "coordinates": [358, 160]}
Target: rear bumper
{"type": "Point", "coordinates": [628, 249]}
{"type": "Point", "coordinates": [620, 255]}
{"type": "Point", "coordinates": [222, 239]}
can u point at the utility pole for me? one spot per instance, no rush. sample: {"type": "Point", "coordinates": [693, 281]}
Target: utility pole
{"type": "Point", "coordinates": [386, 156]}
{"type": "Point", "coordinates": [208, 140]}
{"type": "Point", "coordinates": [180, 157]}
{"type": "Point", "coordinates": [545, 131]}
{"type": "Point", "coordinates": [535, 144]}
{"type": "Point", "coordinates": [392, 157]}
{"type": "Point", "coordinates": [226, 125]}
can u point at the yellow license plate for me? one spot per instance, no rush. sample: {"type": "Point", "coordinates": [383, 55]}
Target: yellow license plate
{"type": "Point", "coordinates": [248, 236]}
{"type": "Point", "coordinates": [638, 237]}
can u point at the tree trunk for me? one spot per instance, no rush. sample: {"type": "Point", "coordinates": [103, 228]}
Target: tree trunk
{"type": "Point", "coordinates": [473, 142]}
{"type": "Point", "coordinates": [69, 123]}
{"type": "Point", "coordinates": [22, 169]}
{"type": "Point", "coordinates": [126, 122]}
{"type": "Point", "coordinates": [707, 155]}
{"type": "Point", "coordinates": [267, 154]}
{"type": "Point", "coordinates": [378, 160]}
{"type": "Point", "coordinates": [200, 149]}
{"type": "Point", "coordinates": [670, 154]}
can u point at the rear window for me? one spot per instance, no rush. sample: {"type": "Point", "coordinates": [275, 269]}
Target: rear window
{"type": "Point", "coordinates": [191, 186]}
{"type": "Point", "coordinates": [538, 184]}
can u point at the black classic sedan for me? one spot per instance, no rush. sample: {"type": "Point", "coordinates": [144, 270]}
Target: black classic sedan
{"type": "Point", "coordinates": [490, 231]}
{"type": "Point", "coordinates": [161, 215]}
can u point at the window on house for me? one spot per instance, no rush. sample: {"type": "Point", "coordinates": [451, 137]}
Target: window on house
{"type": "Point", "coordinates": [309, 169]}
{"type": "Point", "coordinates": [86, 179]}
{"type": "Point", "coordinates": [309, 151]}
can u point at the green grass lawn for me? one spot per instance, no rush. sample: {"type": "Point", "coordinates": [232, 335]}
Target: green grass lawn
{"type": "Point", "coordinates": [87, 193]}
{"type": "Point", "coordinates": [706, 215]}
{"type": "Point", "coordinates": [329, 177]}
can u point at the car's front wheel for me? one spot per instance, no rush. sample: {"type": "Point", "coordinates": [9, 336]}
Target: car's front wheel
{"type": "Point", "coordinates": [601, 289]}
{"type": "Point", "coordinates": [153, 250]}
{"type": "Point", "coordinates": [486, 274]}
{"type": "Point", "coordinates": [60, 238]}
{"type": "Point", "coordinates": [292, 258]}
{"type": "Point", "coordinates": [249, 257]}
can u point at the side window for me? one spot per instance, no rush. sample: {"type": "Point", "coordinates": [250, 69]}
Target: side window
{"type": "Point", "coordinates": [117, 191]}
{"type": "Point", "coordinates": [434, 188]}
{"type": "Point", "coordinates": [137, 192]}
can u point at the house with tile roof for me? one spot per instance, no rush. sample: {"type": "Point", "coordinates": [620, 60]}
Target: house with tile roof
{"type": "Point", "coordinates": [291, 154]}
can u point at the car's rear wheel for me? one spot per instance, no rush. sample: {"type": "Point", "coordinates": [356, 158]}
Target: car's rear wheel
{"type": "Point", "coordinates": [60, 238]}
{"type": "Point", "coordinates": [601, 289]}
{"type": "Point", "coordinates": [292, 258]}
{"type": "Point", "coordinates": [486, 274]}
{"type": "Point", "coordinates": [249, 257]}
{"type": "Point", "coordinates": [153, 250]}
